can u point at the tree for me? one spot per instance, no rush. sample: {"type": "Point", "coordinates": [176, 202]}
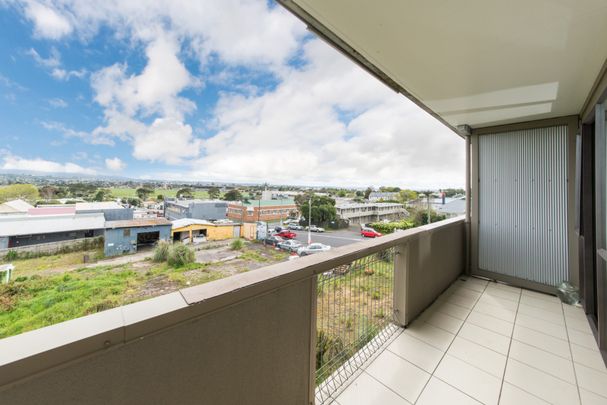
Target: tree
{"type": "Point", "coordinates": [359, 193]}
{"type": "Point", "coordinates": [323, 209]}
{"type": "Point", "coordinates": [27, 192]}
{"type": "Point", "coordinates": [233, 195]}
{"type": "Point", "coordinates": [144, 192]}
{"type": "Point", "coordinates": [389, 189]}
{"type": "Point", "coordinates": [185, 192]}
{"type": "Point", "coordinates": [102, 194]}
{"type": "Point", "coordinates": [407, 195]}
{"type": "Point", "coordinates": [48, 192]}
{"type": "Point", "coordinates": [341, 193]}
{"type": "Point", "coordinates": [214, 193]}
{"type": "Point", "coordinates": [135, 202]}
{"type": "Point", "coordinates": [159, 197]}
{"type": "Point", "coordinates": [368, 192]}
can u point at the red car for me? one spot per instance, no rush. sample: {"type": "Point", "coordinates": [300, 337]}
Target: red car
{"type": "Point", "coordinates": [286, 234]}
{"type": "Point", "coordinates": [369, 233]}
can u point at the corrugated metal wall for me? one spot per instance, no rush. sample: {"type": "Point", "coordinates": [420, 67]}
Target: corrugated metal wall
{"type": "Point", "coordinates": [523, 204]}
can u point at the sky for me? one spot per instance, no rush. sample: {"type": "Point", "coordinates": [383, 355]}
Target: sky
{"type": "Point", "coordinates": [227, 91]}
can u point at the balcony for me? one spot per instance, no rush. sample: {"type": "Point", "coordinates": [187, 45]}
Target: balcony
{"type": "Point", "coordinates": [411, 329]}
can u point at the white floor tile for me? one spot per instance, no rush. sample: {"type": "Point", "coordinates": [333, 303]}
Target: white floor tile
{"type": "Point", "coordinates": [478, 356]}
{"type": "Point", "coordinates": [431, 335]}
{"type": "Point", "coordinates": [444, 321]}
{"type": "Point", "coordinates": [548, 328]}
{"type": "Point", "coordinates": [503, 287]}
{"type": "Point", "coordinates": [512, 395]}
{"type": "Point", "coordinates": [438, 392]}
{"type": "Point", "coordinates": [490, 322]}
{"type": "Point", "coordinates": [588, 357]}
{"type": "Point", "coordinates": [476, 383]}
{"type": "Point", "coordinates": [472, 284]}
{"type": "Point", "coordinates": [549, 363]}
{"type": "Point", "coordinates": [574, 311]}
{"type": "Point", "coordinates": [498, 302]}
{"type": "Point", "coordinates": [581, 325]}
{"type": "Point", "coordinates": [541, 314]}
{"type": "Point", "coordinates": [399, 375]}
{"type": "Point", "coordinates": [485, 337]}
{"type": "Point", "coordinates": [540, 384]}
{"type": "Point", "coordinates": [541, 296]}
{"type": "Point", "coordinates": [455, 311]}
{"type": "Point", "coordinates": [542, 304]}
{"type": "Point", "coordinates": [582, 339]}
{"type": "Point", "coordinates": [501, 293]}
{"type": "Point", "coordinates": [591, 380]}
{"type": "Point", "coordinates": [498, 312]}
{"type": "Point", "coordinates": [465, 302]}
{"type": "Point", "coordinates": [590, 398]}
{"type": "Point", "coordinates": [542, 341]}
{"type": "Point", "coordinates": [417, 352]}
{"type": "Point", "coordinates": [466, 292]}
{"type": "Point", "coordinates": [367, 390]}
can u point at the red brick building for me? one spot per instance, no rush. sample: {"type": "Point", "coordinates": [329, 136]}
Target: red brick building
{"type": "Point", "coordinates": [261, 210]}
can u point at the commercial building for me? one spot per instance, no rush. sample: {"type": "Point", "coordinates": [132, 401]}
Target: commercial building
{"type": "Point", "coordinates": [190, 228]}
{"type": "Point", "coordinates": [262, 210]}
{"type": "Point", "coordinates": [27, 230]}
{"type": "Point", "coordinates": [362, 213]}
{"type": "Point", "coordinates": [112, 211]}
{"type": "Point", "coordinates": [210, 210]}
{"type": "Point", "coordinates": [127, 236]}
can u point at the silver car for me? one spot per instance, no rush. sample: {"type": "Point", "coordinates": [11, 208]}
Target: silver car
{"type": "Point", "coordinates": [313, 248]}
{"type": "Point", "coordinates": [290, 245]}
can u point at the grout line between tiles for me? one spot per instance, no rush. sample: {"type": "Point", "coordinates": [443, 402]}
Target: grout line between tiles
{"type": "Point", "coordinates": [499, 397]}
{"type": "Point", "coordinates": [577, 384]}
{"type": "Point", "coordinates": [447, 349]}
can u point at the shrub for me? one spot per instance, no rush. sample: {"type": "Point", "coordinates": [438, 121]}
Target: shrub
{"type": "Point", "coordinates": [236, 244]}
{"type": "Point", "coordinates": [161, 252]}
{"type": "Point", "coordinates": [12, 255]}
{"type": "Point", "coordinates": [180, 255]}
{"type": "Point", "coordinates": [389, 227]}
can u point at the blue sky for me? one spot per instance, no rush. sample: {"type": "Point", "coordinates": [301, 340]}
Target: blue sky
{"type": "Point", "coordinates": [213, 91]}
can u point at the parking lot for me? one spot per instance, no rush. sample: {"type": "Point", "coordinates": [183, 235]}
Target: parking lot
{"type": "Point", "coordinates": [332, 238]}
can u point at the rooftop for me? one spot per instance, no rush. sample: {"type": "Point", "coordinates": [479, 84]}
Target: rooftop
{"type": "Point", "coordinates": [187, 203]}
{"type": "Point", "coordinates": [136, 223]}
{"type": "Point", "coordinates": [370, 204]}
{"type": "Point", "coordinates": [104, 205]}
{"type": "Point", "coordinates": [266, 203]}
{"type": "Point", "coordinates": [38, 224]}
{"type": "Point", "coordinates": [15, 206]}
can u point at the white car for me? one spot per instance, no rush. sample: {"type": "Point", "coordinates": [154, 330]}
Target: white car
{"type": "Point", "coordinates": [290, 245]}
{"type": "Point", "coordinates": [315, 228]}
{"type": "Point", "coordinates": [313, 248]}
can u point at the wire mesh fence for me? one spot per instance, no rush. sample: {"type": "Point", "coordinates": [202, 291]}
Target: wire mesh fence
{"type": "Point", "coordinates": [354, 318]}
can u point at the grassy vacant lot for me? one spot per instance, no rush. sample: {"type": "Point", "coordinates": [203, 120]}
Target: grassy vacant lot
{"type": "Point", "coordinates": [53, 289]}
{"type": "Point", "coordinates": [122, 192]}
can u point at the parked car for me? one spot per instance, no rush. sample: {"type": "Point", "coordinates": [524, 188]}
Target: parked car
{"type": "Point", "coordinates": [315, 228]}
{"type": "Point", "coordinates": [295, 227]}
{"type": "Point", "coordinates": [313, 248]}
{"type": "Point", "coordinates": [290, 245]}
{"type": "Point", "coordinates": [286, 234]}
{"type": "Point", "coordinates": [273, 240]}
{"type": "Point", "coordinates": [369, 233]}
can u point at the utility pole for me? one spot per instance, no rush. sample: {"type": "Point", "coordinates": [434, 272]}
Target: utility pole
{"type": "Point", "coordinates": [310, 221]}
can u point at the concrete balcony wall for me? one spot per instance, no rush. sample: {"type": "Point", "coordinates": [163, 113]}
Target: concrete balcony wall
{"type": "Point", "coordinates": [248, 339]}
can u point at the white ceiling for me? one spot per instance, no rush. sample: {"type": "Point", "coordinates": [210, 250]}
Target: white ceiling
{"type": "Point", "coordinates": [478, 62]}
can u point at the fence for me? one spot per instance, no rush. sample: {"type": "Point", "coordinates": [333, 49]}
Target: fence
{"type": "Point", "coordinates": [354, 314]}
{"type": "Point", "coordinates": [63, 246]}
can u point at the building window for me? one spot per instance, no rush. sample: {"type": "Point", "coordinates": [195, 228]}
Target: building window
{"type": "Point", "coordinates": [126, 232]}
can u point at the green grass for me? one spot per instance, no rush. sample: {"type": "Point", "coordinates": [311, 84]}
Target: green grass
{"type": "Point", "coordinates": [125, 192]}
{"type": "Point", "coordinates": [28, 267]}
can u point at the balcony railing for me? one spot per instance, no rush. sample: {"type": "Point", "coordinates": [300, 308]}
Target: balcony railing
{"type": "Point", "coordinates": [249, 338]}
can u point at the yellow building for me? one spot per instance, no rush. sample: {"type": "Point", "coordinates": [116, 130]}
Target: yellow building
{"type": "Point", "coordinates": [189, 228]}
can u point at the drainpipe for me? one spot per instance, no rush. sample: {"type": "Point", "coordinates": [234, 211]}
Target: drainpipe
{"type": "Point", "coordinates": [467, 132]}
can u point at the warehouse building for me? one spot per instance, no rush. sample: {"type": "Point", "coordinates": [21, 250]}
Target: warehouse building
{"type": "Point", "coordinates": [28, 230]}
{"type": "Point", "coordinates": [210, 210]}
{"type": "Point", "coordinates": [187, 229]}
{"type": "Point", "coordinates": [127, 236]}
{"type": "Point", "coordinates": [15, 207]}
{"type": "Point", "coordinates": [111, 210]}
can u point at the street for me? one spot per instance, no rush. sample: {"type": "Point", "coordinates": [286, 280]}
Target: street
{"type": "Point", "coordinates": [337, 238]}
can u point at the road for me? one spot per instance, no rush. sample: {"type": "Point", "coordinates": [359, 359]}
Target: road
{"type": "Point", "coordinates": [338, 238]}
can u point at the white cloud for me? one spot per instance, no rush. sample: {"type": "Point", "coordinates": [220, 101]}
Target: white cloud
{"type": "Point", "coordinates": [48, 21]}
{"type": "Point", "coordinates": [115, 164]}
{"type": "Point", "coordinates": [12, 162]}
{"type": "Point", "coordinates": [62, 74]}
{"type": "Point", "coordinates": [53, 64]}
{"type": "Point", "coordinates": [95, 139]}
{"type": "Point", "coordinates": [58, 102]}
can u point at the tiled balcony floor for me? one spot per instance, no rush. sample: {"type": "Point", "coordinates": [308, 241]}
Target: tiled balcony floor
{"type": "Point", "coordinates": [487, 343]}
